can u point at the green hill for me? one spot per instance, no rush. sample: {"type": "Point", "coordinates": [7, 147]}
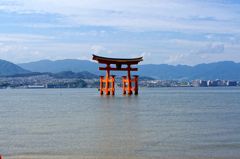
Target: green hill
{"type": "Point", "coordinates": [8, 68]}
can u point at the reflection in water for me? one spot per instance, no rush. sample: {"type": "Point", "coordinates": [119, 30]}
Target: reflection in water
{"type": "Point", "coordinates": [118, 127]}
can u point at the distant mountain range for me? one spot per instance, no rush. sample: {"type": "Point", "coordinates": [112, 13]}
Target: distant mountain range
{"type": "Point", "coordinates": [61, 65]}
{"type": "Point", "coordinates": [8, 68]}
{"type": "Point", "coordinates": [219, 70]}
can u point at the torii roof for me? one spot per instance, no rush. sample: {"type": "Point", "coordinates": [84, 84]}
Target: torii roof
{"type": "Point", "coordinates": [107, 60]}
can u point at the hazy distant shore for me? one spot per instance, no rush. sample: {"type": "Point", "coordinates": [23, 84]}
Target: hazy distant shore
{"type": "Point", "coordinates": [87, 80]}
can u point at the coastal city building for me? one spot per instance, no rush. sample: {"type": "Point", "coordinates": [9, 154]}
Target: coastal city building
{"type": "Point", "coordinates": [64, 81]}
{"type": "Point", "coordinates": [232, 83]}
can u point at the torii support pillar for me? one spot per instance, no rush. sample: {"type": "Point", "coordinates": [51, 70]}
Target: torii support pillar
{"type": "Point", "coordinates": [127, 85]}
{"type": "Point", "coordinates": [105, 85]}
{"type": "Point", "coordinates": [110, 80]}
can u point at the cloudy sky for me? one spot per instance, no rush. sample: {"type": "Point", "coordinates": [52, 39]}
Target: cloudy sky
{"type": "Point", "coordinates": [163, 31]}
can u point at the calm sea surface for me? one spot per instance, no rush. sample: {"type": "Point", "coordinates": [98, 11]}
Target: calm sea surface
{"type": "Point", "coordinates": [159, 123]}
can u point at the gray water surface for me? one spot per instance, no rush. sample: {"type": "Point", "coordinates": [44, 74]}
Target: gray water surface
{"type": "Point", "coordinates": [159, 123]}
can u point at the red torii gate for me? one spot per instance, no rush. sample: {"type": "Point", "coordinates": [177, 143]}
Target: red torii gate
{"type": "Point", "coordinates": [110, 79]}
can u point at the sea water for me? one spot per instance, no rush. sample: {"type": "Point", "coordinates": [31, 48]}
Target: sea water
{"type": "Point", "coordinates": [158, 123]}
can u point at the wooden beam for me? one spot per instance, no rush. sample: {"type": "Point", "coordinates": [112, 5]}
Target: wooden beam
{"type": "Point", "coordinates": [116, 69]}
{"type": "Point", "coordinates": [107, 60]}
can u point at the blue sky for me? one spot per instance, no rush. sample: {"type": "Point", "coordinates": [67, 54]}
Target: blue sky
{"type": "Point", "coordinates": [173, 32]}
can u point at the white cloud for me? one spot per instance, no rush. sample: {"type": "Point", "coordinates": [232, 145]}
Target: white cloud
{"type": "Point", "coordinates": [17, 52]}
{"type": "Point", "coordinates": [99, 49]}
{"type": "Point", "coordinates": [175, 58]}
{"type": "Point", "coordinates": [140, 14]}
{"type": "Point", "coordinates": [66, 40]}
{"type": "Point", "coordinates": [212, 49]}
{"type": "Point", "coordinates": [24, 38]}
